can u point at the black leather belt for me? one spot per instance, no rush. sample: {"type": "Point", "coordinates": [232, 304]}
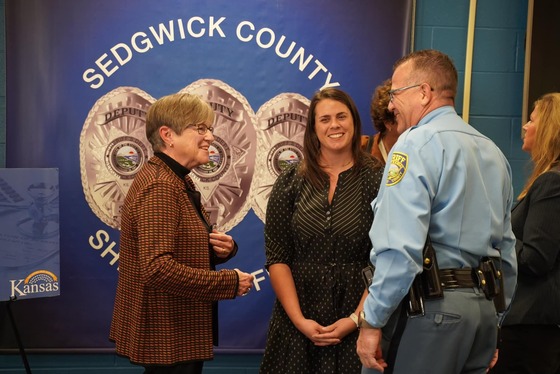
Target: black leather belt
{"type": "Point", "coordinates": [458, 278]}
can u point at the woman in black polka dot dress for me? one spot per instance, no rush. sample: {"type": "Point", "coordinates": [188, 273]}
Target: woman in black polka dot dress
{"type": "Point", "coordinates": [316, 235]}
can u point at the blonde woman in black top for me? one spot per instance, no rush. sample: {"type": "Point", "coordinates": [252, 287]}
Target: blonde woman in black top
{"type": "Point", "coordinates": [531, 329]}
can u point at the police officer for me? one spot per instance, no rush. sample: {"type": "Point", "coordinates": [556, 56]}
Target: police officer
{"type": "Point", "coordinates": [448, 182]}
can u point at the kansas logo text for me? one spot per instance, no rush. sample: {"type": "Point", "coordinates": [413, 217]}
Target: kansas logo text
{"type": "Point", "coordinates": [40, 281]}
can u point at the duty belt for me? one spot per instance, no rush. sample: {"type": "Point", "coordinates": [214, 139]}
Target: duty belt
{"type": "Point", "coordinates": [429, 284]}
{"type": "Point", "coordinates": [459, 278]}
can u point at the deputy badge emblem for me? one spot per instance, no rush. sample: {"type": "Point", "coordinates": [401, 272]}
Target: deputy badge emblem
{"type": "Point", "coordinates": [397, 169]}
{"type": "Point", "coordinates": [113, 148]}
{"type": "Point", "coordinates": [281, 127]}
{"type": "Point", "coordinates": [225, 181]}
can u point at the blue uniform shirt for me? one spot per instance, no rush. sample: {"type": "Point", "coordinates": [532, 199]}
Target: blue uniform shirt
{"type": "Point", "coordinates": [443, 178]}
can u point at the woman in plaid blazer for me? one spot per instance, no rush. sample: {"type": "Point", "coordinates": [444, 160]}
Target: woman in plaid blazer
{"type": "Point", "coordinates": [165, 307]}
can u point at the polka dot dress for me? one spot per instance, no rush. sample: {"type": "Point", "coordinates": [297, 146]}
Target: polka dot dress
{"type": "Point", "coordinates": [326, 246]}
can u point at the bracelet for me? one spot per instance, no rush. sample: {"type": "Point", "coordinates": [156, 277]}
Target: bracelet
{"type": "Point", "coordinates": [354, 318]}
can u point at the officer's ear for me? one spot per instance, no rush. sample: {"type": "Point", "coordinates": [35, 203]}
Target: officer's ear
{"type": "Point", "coordinates": [427, 93]}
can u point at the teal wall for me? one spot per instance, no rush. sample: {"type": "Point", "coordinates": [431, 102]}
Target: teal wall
{"type": "Point", "coordinates": [497, 65]}
{"type": "Point", "coordinates": [495, 110]}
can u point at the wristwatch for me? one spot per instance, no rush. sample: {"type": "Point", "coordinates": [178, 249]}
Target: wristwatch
{"type": "Point", "coordinates": [362, 323]}
{"type": "Point", "coordinates": [354, 319]}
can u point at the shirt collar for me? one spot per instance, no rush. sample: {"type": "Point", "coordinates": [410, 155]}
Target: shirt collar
{"type": "Point", "coordinates": [176, 167]}
{"type": "Point", "coordinates": [435, 113]}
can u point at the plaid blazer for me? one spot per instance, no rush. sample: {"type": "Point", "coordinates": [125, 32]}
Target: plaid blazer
{"type": "Point", "coordinates": [166, 286]}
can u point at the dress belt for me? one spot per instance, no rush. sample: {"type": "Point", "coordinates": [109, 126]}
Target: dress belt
{"type": "Point", "coordinates": [458, 278]}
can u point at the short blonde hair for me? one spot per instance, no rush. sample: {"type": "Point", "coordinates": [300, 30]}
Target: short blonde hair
{"type": "Point", "coordinates": [176, 111]}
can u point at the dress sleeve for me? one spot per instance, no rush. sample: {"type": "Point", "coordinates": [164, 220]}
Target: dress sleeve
{"type": "Point", "coordinates": [279, 240]}
{"type": "Point", "coordinates": [539, 250]}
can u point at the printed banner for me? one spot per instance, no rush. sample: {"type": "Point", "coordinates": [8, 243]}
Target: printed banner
{"type": "Point", "coordinates": [29, 234]}
{"type": "Point", "coordinates": [81, 76]}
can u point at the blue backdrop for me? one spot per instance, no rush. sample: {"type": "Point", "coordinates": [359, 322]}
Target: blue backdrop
{"type": "Point", "coordinates": [65, 58]}
{"type": "Point", "coordinates": [29, 234]}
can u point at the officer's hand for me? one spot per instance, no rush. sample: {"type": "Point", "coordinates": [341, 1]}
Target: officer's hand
{"type": "Point", "coordinates": [494, 360]}
{"type": "Point", "coordinates": [369, 349]}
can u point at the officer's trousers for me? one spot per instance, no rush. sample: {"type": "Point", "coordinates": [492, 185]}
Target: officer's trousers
{"type": "Point", "coordinates": [457, 335]}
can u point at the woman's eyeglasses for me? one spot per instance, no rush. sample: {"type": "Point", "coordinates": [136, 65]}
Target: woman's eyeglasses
{"type": "Point", "coordinates": [201, 128]}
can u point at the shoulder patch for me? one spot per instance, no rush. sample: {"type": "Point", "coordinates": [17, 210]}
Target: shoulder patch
{"type": "Point", "coordinates": [397, 169]}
